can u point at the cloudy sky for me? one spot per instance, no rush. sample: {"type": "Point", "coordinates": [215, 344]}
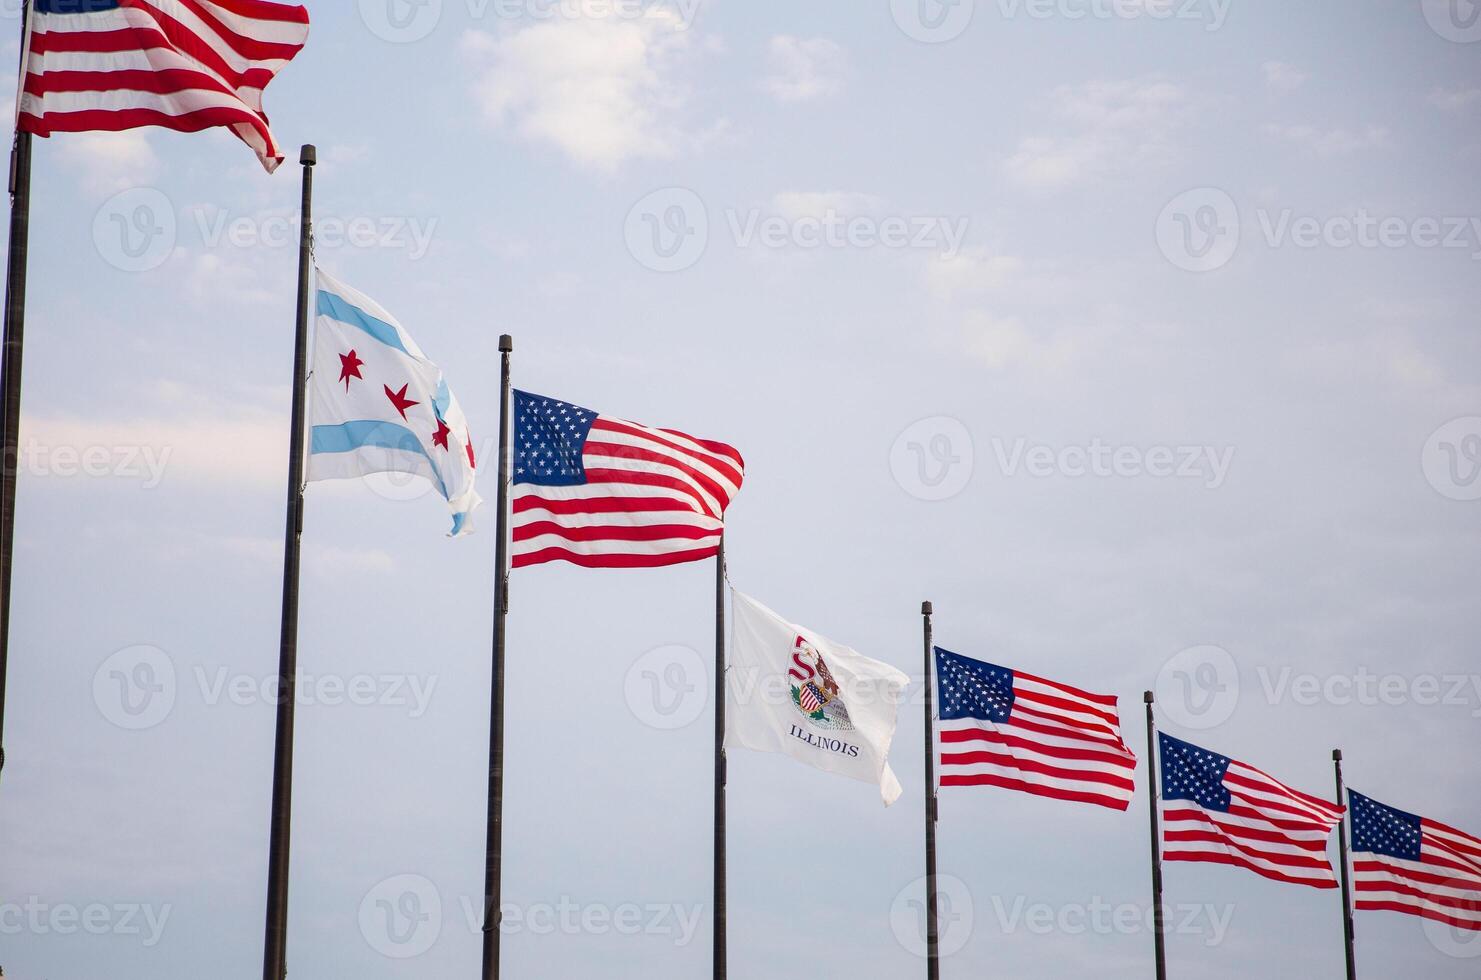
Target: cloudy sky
{"type": "Point", "coordinates": [1140, 337]}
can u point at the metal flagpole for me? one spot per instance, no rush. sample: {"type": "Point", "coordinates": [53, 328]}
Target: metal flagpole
{"type": "Point", "coordinates": [494, 841]}
{"type": "Point", "coordinates": [275, 941]}
{"type": "Point", "coordinates": [1347, 924]}
{"type": "Point", "coordinates": [10, 373]}
{"type": "Point", "coordinates": [719, 967]}
{"type": "Point", "coordinates": [933, 962]}
{"type": "Point", "coordinates": [1153, 795]}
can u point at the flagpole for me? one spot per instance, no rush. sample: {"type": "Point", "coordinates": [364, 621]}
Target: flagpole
{"type": "Point", "coordinates": [275, 942]}
{"type": "Point", "coordinates": [933, 962]}
{"type": "Point", "coordinates": [1347, 923]}
{"type": "Point", "coordinates": [718, 968]}
{"type": "Point", "coordinates": [10, 373]}
{"type": "Point", "coordinates": [1152, 797]}
{"type": "Point", "coordinates": [493, 865]}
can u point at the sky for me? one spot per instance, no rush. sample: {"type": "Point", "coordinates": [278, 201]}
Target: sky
{"type": "Point", "coordinates": [1139, 337]}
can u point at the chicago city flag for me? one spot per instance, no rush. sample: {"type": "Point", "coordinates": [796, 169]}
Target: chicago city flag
{"type": "Point", "coordinates": [793, 691]}
{"type": "Point", "coordinates": [377, 405]}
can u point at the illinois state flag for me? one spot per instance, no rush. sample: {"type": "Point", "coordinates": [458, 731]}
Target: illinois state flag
{"type": "Point", "coordinates": [377, 405]}
{"type": "Point", "coordinates": [794, 691]}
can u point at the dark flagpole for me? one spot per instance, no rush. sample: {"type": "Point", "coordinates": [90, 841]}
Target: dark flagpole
{"type": "Point", "coordinates": [1153, 795]}
{"type": "Point", "coordinates": [275, 943]}
{"type": "Point", "coordinates": [933, 962]}
{"type": "Point", "coordinates": [493, 862]}
{"type": "Point", "coordinates": [10, 374]}
{"type": "Point", "coordinates": [1347, 925]}
{"type": "Point", "coordinates": [719, 967]}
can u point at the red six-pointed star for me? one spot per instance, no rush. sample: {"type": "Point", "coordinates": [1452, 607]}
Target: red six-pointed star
{"type": "Point", "coordinates": [399, 399]}
{"type": "Point", "coordinates": [349, 367]}
{"type": "Point", "coordinates": [439, 438]}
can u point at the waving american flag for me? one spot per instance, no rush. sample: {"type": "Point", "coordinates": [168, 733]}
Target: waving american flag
{"type": "Point", "coordinates": [1405, 863]}
{"type": "Point", "coordinates": [1220, 811]}
{"type": "Point", "coordinates": [187, 65]}
{"type": "Point", "coordinates": [1002, 727]}
{"type": "Point", "coordinates": [606, 493]}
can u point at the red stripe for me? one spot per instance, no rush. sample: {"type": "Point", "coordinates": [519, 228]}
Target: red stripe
{"type": "Point", "coordinates": [613, 561]}
{"type": "Point", "coordinates": [614, 450]}
{"type": "Point", "coordinates": [1199, 857]}
{"type": "Point", "coordinates": [630, 478]}
{"type": "Point", "coordinates": [1057, 751]}
{"type": "Point", "coordinates": [113, 121]}
{"type": "Point", "coordinates": [1105, 700]}
{"type": "Point", "coordinates": [623, 532]}
{"type": "Point", "coordinates": [528, 501]}
{"type": "Point", "coordinates": [1412, 874]}
{"type": "Point", "coordinates": [628, 428]}
{"type": "Point", "coordinates": [1040, 768]}
{"type": "Point", "coordinates": [165, 81]}
{"type": "Point", "coordinates": [1236, 836]}
{"type": "Point", "coordinates": [718, 448]}
{"type": "Point", "coordinates": [1369, 905]}
{"type": "Point", "coordinates": [1021, 719]}
{"type": "Point", "coordinates": [1034, 789]}
{"type": "Point", "coordinates": [1457, 904]}
{"type": "Point", "coordinates": [1268, 784]}
{"type": "Point", "coordinates": [265, 10]}
{"type": "Point", "coordinates": [1063, 704]}
{"type": "Point", "coordinates": [188, 41]}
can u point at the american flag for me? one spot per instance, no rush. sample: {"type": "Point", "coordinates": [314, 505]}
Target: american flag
{"type": "Point", "coordinates": [1220, 811]}
{"type": "Point", "coordinates": [604, 493]}
{"type": "Point", "coordinates": [1405, 863]}
{"type": "Point", "coordinates": [187, 65]}
{"type": "Point", "coordinates": [1002, 727]}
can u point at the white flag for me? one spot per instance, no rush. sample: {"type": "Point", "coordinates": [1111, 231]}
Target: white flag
{"type": "Point", "coordinates": [793, 691]}
{"type": "Point", "coordinates": [378, 405]}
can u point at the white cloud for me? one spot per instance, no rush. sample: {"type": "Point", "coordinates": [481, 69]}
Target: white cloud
{"type": "Point", "coordinates": [1279, 75]}
{"type": "Point", "coordinates": [107, 163]}
{"type": "Point", "coordinates": [817, 204]}
{"type": "Point", "coordinates": [1456, 98]}
{"type": "Point", "coordinates": [1110, 126]}
{"type": "Point", "coordinates": [973, 270]}
{"type": "Point", "coordinates": [804, 69]}
{"type": "Point", "coordinates": [602, 90]}
{"type": "Point", "coordinates": [1330, 142]}
{"type": "Point", "coordinates": [1003, 342]}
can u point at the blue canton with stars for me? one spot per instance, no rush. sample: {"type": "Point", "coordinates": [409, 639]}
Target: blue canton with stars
{"type": "Point", "coordinates": [1380, 829]}
{"type": "Point", "coordinates": [549, 436]}
{"type": "Point", "coordinates": [973, 689]}
{"type": "Point", "coordinates": [1191, 773]}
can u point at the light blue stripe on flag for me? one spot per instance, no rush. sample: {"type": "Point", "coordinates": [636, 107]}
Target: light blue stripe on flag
{"type": "Point", "coordinates": [336, 307]}
{"type": "Point", "coordinates": [350, 436]}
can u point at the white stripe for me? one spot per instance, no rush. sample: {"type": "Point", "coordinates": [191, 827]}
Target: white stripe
{"type": "Point", "coordinates": [181, 103]}
{"type": "Point", "coordinates": [1122, 757]}
{"type": "Point", "coordinates": [1039, 779]}
{"type": "Point", "coordinates": [680, 459]}
{"type": "Point", "coordinates": [675, 437]}
{"type": "Point", "coordinates": [595, 460]}
{"type": "Point", "coordinates": [604, 491]}
{"type": "Point", "coordinates": [662, 546]}
{"type": "Point", "coordinates": [644, 519]}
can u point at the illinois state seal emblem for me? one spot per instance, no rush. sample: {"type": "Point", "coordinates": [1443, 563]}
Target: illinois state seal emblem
{"type": "Point", "coordinates": [814, 690]}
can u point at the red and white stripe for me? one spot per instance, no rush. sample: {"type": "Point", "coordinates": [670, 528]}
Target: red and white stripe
{"type": "Point", "coordinates": [1059, 741]}
{"type": "Point", "coordinates": [652, 497]}
{"type": "Point", "coordinates": [1444, 885]}
{"type": "Point", "coordinates": [186, 65]}
{"type": "Point", "coordinates": [1270, 829]}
